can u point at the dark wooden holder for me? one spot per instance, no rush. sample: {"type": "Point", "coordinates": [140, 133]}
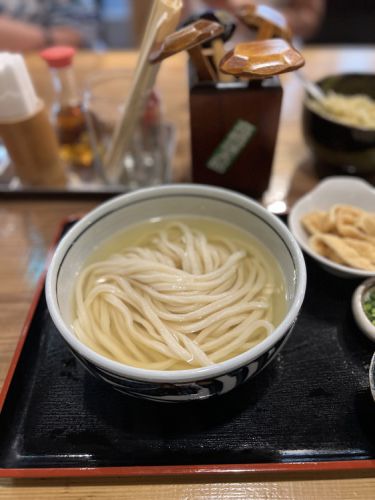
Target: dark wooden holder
{"type": "Point", "coordinates": [234, 126]}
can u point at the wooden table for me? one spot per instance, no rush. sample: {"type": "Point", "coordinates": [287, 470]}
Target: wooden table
{"type": "Point", "coordinates": [28, 226]}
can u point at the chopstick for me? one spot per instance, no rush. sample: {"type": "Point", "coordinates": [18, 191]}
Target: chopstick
{"type": "Point", "coordinates": [163, 20]}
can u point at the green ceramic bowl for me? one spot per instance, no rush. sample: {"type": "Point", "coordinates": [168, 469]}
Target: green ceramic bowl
{"type": "Point", "coordinates": [338, 148]}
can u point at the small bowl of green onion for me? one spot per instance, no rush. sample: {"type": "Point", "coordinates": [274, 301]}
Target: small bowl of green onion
{"type": "Point", "coordinates": [363, 305]}
{"type": "Point", "coordinates": [372, 376]}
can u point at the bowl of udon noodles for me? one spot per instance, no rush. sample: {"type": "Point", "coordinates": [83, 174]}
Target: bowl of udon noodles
{"type": "Point", "coordinates": [340, 130]}
{"type": "Point", "coordinates": [177, 292]}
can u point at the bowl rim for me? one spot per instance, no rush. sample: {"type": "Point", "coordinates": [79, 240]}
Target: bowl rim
{"type": "Point", "coordinates": [195, 374]}
{"type": "Point", "coordinates": [315, 194]}
{"type": "Point", "coordinates": [357, 306]}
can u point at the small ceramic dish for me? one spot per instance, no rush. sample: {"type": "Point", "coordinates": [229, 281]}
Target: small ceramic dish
{"type": "Point", "coordinates": [372, 376]}
{"type": "Point", "coordinates": [360, 297]}
{"type": "Point", "coordinates": [333, 190]}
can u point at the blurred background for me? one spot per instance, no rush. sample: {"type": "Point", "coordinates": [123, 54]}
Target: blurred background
{"type": "Point", "coordinates": [345, 22]}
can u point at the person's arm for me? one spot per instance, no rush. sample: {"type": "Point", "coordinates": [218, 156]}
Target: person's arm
{"type": "Point", "coordinates": [19, 36]}
{"type": "Point", "coordinates": [23, 36]}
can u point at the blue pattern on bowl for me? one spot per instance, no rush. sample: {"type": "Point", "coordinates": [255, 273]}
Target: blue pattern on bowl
{"type": "Point", "coordinates": [182, 392]}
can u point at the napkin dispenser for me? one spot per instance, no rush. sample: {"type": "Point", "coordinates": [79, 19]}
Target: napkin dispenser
{"type": "Point", "coordinates": [233, 132]}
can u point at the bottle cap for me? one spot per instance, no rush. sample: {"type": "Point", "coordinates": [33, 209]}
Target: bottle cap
{"type": "Point", "coordinates": [58, 56]}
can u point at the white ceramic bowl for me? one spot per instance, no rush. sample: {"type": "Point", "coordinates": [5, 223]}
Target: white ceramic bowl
{"type": "Point", "coordinates": [357, 306]}
{"type": "Point", "coordinates": [331, 191]}
{"type": "Point", "coordinates": [181, 199]}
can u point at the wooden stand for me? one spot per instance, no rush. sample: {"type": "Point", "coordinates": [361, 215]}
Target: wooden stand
{"type": "Point", "coordinates": [233, 133]}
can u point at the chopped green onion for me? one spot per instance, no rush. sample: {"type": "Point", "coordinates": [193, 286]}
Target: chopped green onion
{"type": "Point", "coordinates": [369, 305]}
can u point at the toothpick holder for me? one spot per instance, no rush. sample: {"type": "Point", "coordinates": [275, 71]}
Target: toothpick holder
{"type": "Point", "coordinates": [233, 133]}
{"type": "Point", "coordinates": [33, 148]}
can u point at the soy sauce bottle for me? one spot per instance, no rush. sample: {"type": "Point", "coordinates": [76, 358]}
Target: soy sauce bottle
{"type": "Point", "coordinates": [67, 111]}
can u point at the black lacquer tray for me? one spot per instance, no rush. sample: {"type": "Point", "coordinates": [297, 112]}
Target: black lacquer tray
{"type": "Point", "coordinates": [310, 409]}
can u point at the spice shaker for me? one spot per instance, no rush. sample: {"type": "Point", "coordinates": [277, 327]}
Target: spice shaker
{"type": "Point", "coordinates": [67, 111]}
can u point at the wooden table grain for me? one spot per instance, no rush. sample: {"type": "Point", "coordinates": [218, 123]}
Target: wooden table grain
{"type": "Point", "coordinates": [28, 226]}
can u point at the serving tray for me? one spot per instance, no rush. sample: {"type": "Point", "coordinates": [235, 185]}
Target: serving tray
{"type": "Point", "coordinates": [310, 409]}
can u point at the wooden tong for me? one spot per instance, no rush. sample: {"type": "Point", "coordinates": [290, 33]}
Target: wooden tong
{"type": "Point", "coordinates": [190, 38]}
{"type": "Point", "coordinates": [228, 22]}
{"type": "Point", "coordinates": [268, 22]}
{"type": "Point", "coordinates": [261, 59]}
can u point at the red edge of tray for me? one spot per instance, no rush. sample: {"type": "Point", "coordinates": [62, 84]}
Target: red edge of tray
{"type": "Point", "coordinates": [173, 470]}
{"type": "Point", "coordinates": [188, 470]}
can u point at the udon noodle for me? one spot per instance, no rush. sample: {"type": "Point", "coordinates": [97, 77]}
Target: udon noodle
{"type": "Point", "coordinates": [357, 110]}
{"type": "Point", "coordinates": [178, 300]}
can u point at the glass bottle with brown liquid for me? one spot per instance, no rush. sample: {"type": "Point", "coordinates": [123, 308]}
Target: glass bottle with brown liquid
{"type": "Point", "coordinates": [67, 112]}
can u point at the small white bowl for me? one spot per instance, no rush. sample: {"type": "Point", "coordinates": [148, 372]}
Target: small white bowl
{"type": "Point", "coordinates": [357, 305]}
{"type": "Point", "coordinates": [331, 191]}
